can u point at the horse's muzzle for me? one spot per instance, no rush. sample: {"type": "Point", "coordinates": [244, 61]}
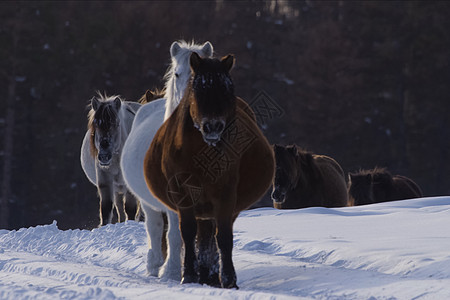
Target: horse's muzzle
{"type": "Point", "coordinates": [104, 159]}
{"type": "Point", "coordinates": [212, 131]}
{"type": "Point", "coordinates": [278, 197]}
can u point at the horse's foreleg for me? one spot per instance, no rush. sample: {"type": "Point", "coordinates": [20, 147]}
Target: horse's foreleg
{"type": "Point", "coordinates": [120, 206]}
{"type": "Point", "coordinates": [188, 227]}
{"type": "Point", "coordinates": [208, 255]}
{"type": "Point", "coordinates": [154, 225]}
{"type": "Point", "coordinates": [224, 239]}
{"type": "Point", "coordinates": [106, 203]}
{"type": "Point", "coordinates": [172, 267]}
{"type": "Point", "coordinates": [131, 206]}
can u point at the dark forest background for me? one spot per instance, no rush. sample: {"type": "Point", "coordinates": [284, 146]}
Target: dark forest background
{"type": "Point", "coordinates": [366, 82]}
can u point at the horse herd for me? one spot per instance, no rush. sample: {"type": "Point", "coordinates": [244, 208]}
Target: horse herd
{"type": "Point", "coordinates": [193, 156]}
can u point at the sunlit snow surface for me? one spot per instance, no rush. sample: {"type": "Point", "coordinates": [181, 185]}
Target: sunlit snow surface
{"type": "Point", "coordinates": [394, 250]}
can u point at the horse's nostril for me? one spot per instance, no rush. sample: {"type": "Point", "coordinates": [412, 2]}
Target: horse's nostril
{"type": "Point", "coordinates": [213, 127]}
{"type": "Point", "coordinates": [207, 128]}
{"type": "Point", "coordinates": [105, 157]}
{"type": "Point", "coordinates": [275, 194]}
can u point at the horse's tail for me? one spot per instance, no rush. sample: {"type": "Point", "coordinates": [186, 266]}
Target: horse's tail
{"type": "Point", "coordinates": [414, 189]}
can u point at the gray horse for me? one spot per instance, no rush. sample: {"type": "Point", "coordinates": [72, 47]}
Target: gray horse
{"type": "Point", "coordinates": [109, 123]}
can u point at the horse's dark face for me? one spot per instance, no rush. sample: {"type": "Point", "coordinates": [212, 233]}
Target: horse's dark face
{"type": "Point", "coordinates": [213, 104]}
{"type": "Point", "coordinates": [360, 189]}
{"type": "Point", "coordinates": [286, 172]}
{"type": "Point", "coordinates": [106, 129]}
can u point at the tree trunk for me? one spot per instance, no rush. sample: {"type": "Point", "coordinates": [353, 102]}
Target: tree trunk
{"type": "Point", "coordinates": [8, 154]}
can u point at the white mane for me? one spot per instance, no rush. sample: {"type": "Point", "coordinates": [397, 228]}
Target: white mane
{"type": "Point", "coordinates": [179, 71]}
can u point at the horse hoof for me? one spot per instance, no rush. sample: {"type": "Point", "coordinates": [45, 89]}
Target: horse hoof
{"type": "Point", "coordinates": [214, 280]}
{"type": "Point", "coordinates": [230, 286]}
{"type": "Point", "coordinates": [168, 273]}
{"type": "Point", "coordinates": [189, 279]}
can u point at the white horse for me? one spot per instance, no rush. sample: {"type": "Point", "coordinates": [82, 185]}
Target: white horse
{"type": "Point", "coordinates": [109, 123]}
{"type": "Point", "coordinates": [147, 121]}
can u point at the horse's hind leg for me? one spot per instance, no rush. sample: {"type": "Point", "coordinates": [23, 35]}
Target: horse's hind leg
{"type": "Point", "coordinates": [208, 256]}
{"type": "Point", "coordinates": [131, 206]}
{"type": "Point", "coordinates": [155, 226]}
{"type": "Point", "coordinates": [172, 267]}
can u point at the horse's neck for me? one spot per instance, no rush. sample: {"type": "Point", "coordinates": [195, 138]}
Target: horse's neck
{"type": "Point", "coordinates": [170, 107]}
{"type": "Point", "coordinates": [173, 96]}
{"type": "Point", "coordinates": [183, 123]}
{"type": "Point", "coordinates": [133, 107]}
{"type": "Point", "coordinates": [126, 116]}
{"type": "Point", "coordinates": [172, 99]}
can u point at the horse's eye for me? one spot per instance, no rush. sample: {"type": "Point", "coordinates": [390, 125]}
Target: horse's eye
{"type": "Point", "coordinates": [177, 75]}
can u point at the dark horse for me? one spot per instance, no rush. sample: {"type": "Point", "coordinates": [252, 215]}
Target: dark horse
{"type": "Point", "coordinates": [303, 179]}
{"type": "Point", "coordinates": [379, 185]}
{"type": "Point", "coordinates": [208, 162]}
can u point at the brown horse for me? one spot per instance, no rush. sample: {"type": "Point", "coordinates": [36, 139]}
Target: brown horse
{"type": "Point", "coordinates": [379, 185]}
{"type": "Point", "coordinates": [303, 179]}
{"type": "Point", "coordinates": [149, 96]}
{"type": "Point", "coordinates": [208, 162]}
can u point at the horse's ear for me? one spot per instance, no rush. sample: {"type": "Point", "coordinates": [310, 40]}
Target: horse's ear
{"type": "Point", "coordinates": [95, 103]}
{"type": "Point", "coordinates": [149, 95]}
{"type": "Point", "coordinates": [293, 150]}
{"type": "Point", "coordinates": [195, 61]}
{"type": "Point", "coordinates": [276, 147]}
{"type": "Point", "coordinates": [174, 49]}
{"type": "Point", "coordinates": [207, 49]}
{"type": "Point", "coordinates": [350, 177]}
{"type": "Point", "coordinates": [117, 103]}
{"type": "Point", "coordinates": [228, 62]}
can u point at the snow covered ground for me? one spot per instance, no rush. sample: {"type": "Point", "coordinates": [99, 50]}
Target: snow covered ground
{"type": "Point", "coordinates": [395, 250]}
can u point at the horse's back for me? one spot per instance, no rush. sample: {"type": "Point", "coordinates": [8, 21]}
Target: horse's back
{"type": "Point", "coordinates": [333, 184]}
{"type": "Point", "coordinates": [146, 123]}
{"type": "Point", "coordinates": [405, 188]}
{"type": "Point", "coordinates": [147, 113]}
{"type": "Point", "coordinates": [134, 106]}
{"type": "Point", "coordinates": [327, 162]}
{"type": "Point", "coordinates": [86, 158]}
